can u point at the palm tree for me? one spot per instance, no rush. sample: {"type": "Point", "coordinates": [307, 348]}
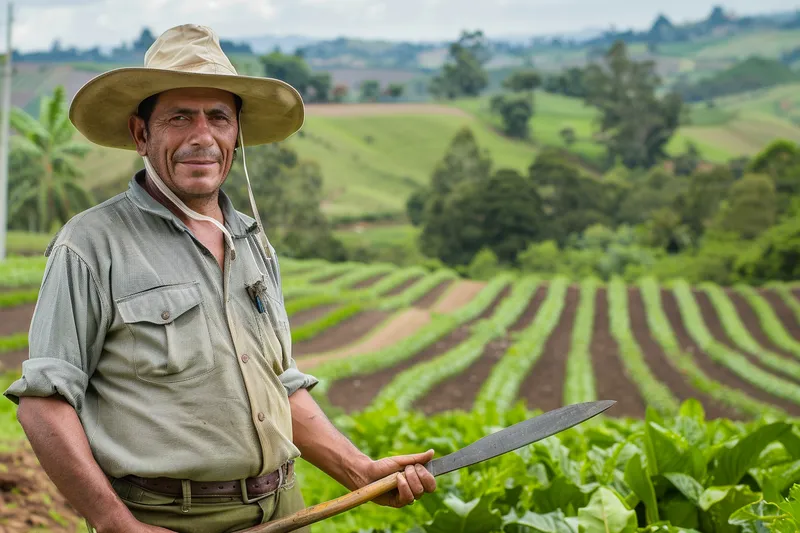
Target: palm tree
{"type": "Point", "coordinates": [52, 192]}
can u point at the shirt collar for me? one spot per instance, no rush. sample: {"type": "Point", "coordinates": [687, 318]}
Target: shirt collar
{"type": "Point", "coordinates": [237, 223]}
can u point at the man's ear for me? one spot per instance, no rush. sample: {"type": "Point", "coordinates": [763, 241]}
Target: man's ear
{"type": "Point", "coordinates": [138, 131]}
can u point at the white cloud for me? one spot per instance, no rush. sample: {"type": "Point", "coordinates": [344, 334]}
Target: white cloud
{"type": "Point", "coordinates": [109, 22]}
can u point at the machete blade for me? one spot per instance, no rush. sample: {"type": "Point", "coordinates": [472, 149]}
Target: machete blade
{"type": "Point", "coordinates": [518, 435]}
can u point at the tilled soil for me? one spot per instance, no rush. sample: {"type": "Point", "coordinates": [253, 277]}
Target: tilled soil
{"type": "Point", "coordinates": [29, 501]}
{"type": "Point", "coordinates": [543, 387]}
{"type": "Point", "coordinates": [459, 296]}
{"type": "Point", "coordinates": [16, 319]}
{"type": "Point", "coordinates": [712, 321]}
{"type": "Point", "coordinates": [402, 287]}
{"type": "Point", "coordinates": [13, 361]}
{"type": "Point", "coordinates": [309, 315]}
{"type": "Point", "coordinates": [345, 332]}
{"type": "Point", "coordinates": [402, 325]}
{"type": "Point", "coordinates": [753, 325]}
{"type": "Point", "coordinates": [429, 299]}
{"type": "Point", "coordinates": [783, 311]}
{"type": "Point", "coordinates": [356, 392]}
{"type": "Point", "coordinates": [459, 392]}
{"type": "Point", "coordinates": [369, 282]}
{"type": "Point", "coordinates": [711, 368]}
{"type": "Point", "coordinates": [611, 379]}
{"type": "Point", "coordinates": [663, 369]}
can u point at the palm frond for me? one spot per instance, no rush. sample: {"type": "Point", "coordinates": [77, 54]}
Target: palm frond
{"type": "Point", "coordinates": [26, 125]}
{"type": "Point", "coordinates": [27, 147]}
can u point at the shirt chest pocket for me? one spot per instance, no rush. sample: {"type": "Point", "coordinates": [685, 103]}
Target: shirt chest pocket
{"type": "Point", "coordinates": [172, 340]}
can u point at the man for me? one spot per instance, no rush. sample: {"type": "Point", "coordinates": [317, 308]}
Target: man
{"type": "Point", "coordinates": [161, 393]}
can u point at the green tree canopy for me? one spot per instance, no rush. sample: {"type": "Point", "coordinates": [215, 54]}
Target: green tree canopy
{"type": "Point", "coordinates": [635, 123]}
{"type": "Point", "coordinates": [46, 185]}
{"type": "Point", "coordinates": [464, 73]}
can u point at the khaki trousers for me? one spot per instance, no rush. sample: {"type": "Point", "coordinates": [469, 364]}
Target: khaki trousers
{"type": "Point", "coordinates": [209, 514]}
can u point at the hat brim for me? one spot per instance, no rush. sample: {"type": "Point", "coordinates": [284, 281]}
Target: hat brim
{"type": "Point", "coordinates": [272, 110]}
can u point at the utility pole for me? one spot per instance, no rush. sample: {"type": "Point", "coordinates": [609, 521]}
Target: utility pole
{"type": "Point", "coordinates": [4, 137]}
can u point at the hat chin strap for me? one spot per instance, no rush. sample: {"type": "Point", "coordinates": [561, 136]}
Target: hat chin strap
{"type": "Point", "coordinates": [197, 216]}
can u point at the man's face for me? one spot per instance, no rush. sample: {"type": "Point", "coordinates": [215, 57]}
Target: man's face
{"type": "Point", "coordinates": [190, 139]}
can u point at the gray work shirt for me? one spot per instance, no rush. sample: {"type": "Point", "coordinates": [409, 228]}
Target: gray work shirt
{"type": "Point", "coordinates": [170, 366]}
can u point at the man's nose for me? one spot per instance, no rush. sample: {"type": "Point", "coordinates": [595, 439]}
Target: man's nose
{"type": "Point", "coordinates": [201, 131]}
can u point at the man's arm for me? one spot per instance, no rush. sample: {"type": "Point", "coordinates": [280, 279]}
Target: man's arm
{"type": "Point", "coordinates": [59, 441]}
{"type": "Point", "coordinates": [324, 446]}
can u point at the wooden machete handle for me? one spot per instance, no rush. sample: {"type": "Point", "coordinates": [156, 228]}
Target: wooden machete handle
{"type": "Point", "coordinates": [324, 510]}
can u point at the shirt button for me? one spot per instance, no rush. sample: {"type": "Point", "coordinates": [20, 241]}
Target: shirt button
{"type": "Point", "coordinates": [165, 315]}
{"type": "Point", "coordinates": [260, 417]}
{"type": "Point", "coordinates": [245, 358]}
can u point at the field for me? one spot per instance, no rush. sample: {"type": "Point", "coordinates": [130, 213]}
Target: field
{"type": "Point", "coordinates": [401, 350]}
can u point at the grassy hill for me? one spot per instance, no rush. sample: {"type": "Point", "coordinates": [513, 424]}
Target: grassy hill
{"type": "Point", "coordinates": [373, 157]}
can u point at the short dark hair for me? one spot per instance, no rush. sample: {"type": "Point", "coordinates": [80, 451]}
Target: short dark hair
{"type": "Point", "coordinates": [146, 106]}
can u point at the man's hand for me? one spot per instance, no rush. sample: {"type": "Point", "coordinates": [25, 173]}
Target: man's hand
{"type": "Point", "coordinates": [413, 480]}
{"type": "Point", "coordinates": [322, 445]}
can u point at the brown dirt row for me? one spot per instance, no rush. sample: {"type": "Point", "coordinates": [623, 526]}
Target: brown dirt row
{"type": "Point", "coordinates": [783, 311]}
{"type": "Point", "coordinates": [459, 392]}
{"type": "Point", "coordinates": [753, 325]}
{"type": "Point", "coordinates": [13, 360]}
{"type": "Point", "coordinates": [429, 299]}
{"type": "Point", "coordinates": [369, 282]}
{"type": "Point", "coordinates": [662, 368]}
{"type": "Point", "coordinates": [714, 324]}
{"type": "Point", "coordinates": [543, 387]}
{"type": "Point", "coordinates": [16, 319]}
{"type": "Point", "coordinates": [711, 368]}
{"type": "Point", "coordinates": [342, 334]}
{"type": "Point", "coordinates": [395, 329]}
{"type": "Point", "coordinates": [356, 392]}
{"type": "Point", "coordinates": [402, 287]}
{"type": "Point", "coordinates": [460, 295]}
{"type": "Point", "coordinates": [611, 379]}
{"type": "Point", "coordinates": [309, 315]}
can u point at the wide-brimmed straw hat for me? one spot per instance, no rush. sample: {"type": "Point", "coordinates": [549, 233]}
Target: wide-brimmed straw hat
{"type": "Point", "coordinates": [184, 56]}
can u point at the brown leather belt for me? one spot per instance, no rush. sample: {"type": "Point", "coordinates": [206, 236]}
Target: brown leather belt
{"type": "Point", "coordinates": [256, 486]}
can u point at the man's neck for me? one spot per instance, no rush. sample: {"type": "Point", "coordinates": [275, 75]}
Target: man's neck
{"type": "Point", "coordinates": [203, 206]}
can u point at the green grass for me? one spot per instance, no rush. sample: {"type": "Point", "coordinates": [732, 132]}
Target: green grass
{"type": "Point", "coordinates": [371, 163]}
{"type": "Point", "coordinates": [27, 243]}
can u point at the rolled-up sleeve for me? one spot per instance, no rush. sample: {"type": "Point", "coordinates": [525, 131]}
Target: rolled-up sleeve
{"type": "Point", "coordinates": [293, 379]}
{"type": "Point", "coordinates": [66, 333]}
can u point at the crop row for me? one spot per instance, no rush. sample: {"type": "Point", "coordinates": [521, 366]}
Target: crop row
{"type": "Point", "coordinates": [501, 387]}
{"type": "Point", "coordinates": [579, 383]}
{"type": "Point", "coordinates": [413, 383]}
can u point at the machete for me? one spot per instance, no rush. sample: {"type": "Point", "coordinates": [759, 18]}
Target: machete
{"type": "Point", "coordinates": [498, 443]}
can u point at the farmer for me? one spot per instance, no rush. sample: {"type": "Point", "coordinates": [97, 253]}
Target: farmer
{"type": "Point", "coordinates": [161, 391]}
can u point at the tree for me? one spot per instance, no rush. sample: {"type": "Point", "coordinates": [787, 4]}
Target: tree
{"type": "Point", "coordinates": [515, 112]}
{"type": "Point", "coordinates": [700, 202]}
{"type": "Point", "coordinates": [773, 256]}
{"type": "Point", "coordinates": [294, 70]}
{"type": "Point", "coordinates": [781, 161]}
{"type": "Point", "coordinates": [370, 90]}
{"type": "Point", "coordinates": [523, 81]}
{"type": "Point", "coordinates": [634, 122]}
{"type": "Point", "coordinates": [395, 90]}
{"type": "Point", "coordinates": [288, 193]}
{"type": "Point", "coordinates": [502, 214]}
{"type": "Point", "coordinates": [340, 92]}
{"type": "Point", "coordinates": [464, 73]}
{"type": "Point", "coordinates": [52, 190]}
{"type": "Point", "coordinates": [568, 135]}
{"type": "Point", "coordinates": [750, 208]}
{"type": "Point", "coordinates": [571, 201]}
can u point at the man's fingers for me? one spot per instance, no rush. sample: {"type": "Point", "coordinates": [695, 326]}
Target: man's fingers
{"type": "Point", "coordinates": [404, 494]}
{"type": "Point", "coordinates": [414, 483]}
{"type": "Point", "coordinates": [413, 458]}
{"type": "Point", "coordinates": [426, 478]}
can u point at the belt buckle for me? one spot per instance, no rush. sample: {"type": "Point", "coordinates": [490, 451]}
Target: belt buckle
{"type": "Point", "coordinates": [246, 497]}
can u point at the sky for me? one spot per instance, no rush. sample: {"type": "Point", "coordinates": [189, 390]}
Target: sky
{"type": "Point", "coordinates": [86, 23]}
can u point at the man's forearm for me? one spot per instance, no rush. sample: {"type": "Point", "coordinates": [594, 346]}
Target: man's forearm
{"type": "Point", "coordinates": [321, 444]}
{"type": "Point", "coordinates": [60, 443]}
